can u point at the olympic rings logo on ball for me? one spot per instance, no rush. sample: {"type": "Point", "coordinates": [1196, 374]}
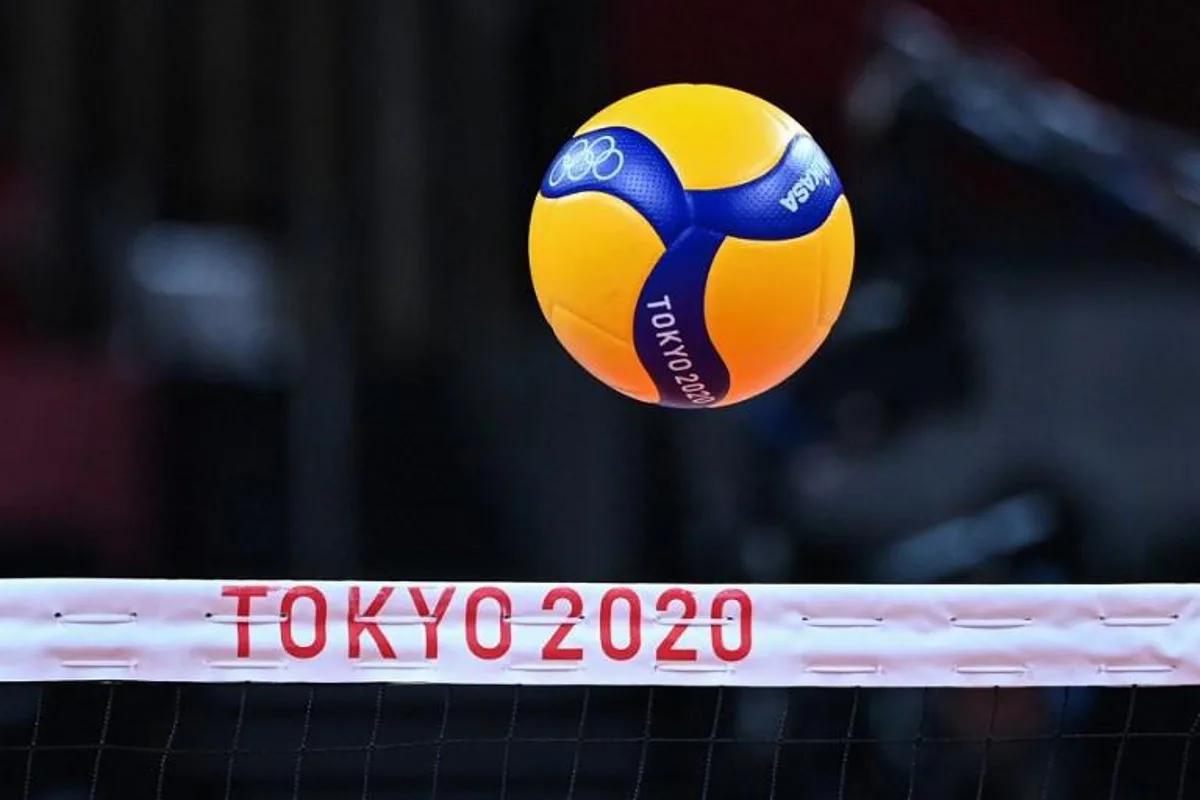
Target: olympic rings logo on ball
{"type": "Point", "coordinates": [599, 158]}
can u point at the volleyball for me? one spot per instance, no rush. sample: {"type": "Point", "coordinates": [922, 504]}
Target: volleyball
{"type": "Point", "coordinates": [691, 246]}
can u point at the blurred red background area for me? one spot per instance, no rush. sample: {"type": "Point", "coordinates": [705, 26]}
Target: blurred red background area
{"type": "Point", "coordinates": [71, 462]}
{"type": "Point", "coordinates": [803, 56]}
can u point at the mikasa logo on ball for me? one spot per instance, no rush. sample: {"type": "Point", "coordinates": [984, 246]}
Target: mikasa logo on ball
{"type": "Point", "coordinates": [818, 172]}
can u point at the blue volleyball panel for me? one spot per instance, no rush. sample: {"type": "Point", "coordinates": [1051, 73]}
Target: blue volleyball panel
{"type": "Point", "coordinates": [792, 200]}
{"type": "Point", "coordinates": [625, 164]}
{"type": "Point", "coordinates": [669, 332]}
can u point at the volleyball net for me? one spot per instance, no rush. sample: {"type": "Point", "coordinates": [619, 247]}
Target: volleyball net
{"type": "Point", "coordinates": [284, 689]}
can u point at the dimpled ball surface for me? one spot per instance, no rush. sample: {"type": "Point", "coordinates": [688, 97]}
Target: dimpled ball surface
{"type": "Point", "coordinates": [691, 246]}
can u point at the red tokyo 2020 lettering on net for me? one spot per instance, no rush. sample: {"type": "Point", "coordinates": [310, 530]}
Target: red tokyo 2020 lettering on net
{"type": "Point", "coordinates": [481, 621]}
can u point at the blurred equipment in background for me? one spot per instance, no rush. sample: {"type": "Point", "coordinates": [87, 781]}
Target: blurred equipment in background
{"type": "Point", "coordinates": [206, 303]}
{"type": "Point", "coordinates": [1031, 118]}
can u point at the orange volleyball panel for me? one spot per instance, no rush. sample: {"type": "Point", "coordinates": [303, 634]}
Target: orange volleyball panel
{"type": "Point", "coordinates": [589, 256]}
{"type": "Point", "coordinates": [714, 136]}
{"type": "Point", "coordinates": [770, 305]}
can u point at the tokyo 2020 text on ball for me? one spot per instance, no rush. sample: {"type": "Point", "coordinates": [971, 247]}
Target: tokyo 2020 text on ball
{"type": "Point", "coordinates": [691, 246]}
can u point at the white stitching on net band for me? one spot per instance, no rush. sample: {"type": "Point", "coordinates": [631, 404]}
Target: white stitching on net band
{"type": "Point", "coordinates": [615, 634]}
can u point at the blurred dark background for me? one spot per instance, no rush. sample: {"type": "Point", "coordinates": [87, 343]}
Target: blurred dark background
{"type": "Point", "coordinates": [264, 310]}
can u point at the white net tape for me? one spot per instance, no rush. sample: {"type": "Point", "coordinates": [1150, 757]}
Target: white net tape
{"type": "Point", "coordinates": [153, 689]}
{"type": "Point", "coordinates": [598, 635]}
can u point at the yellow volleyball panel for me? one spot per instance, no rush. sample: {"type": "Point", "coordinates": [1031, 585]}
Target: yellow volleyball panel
{"type": "Point", "coordinates": [713, 136]}
{"type": "Point", "coordinates": [589, 256]}
{"type": "Point", "coordinates": [770, 305]}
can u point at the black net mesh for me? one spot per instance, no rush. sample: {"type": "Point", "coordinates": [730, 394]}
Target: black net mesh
{"type": "Point", "coordinates": [260, 742]}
